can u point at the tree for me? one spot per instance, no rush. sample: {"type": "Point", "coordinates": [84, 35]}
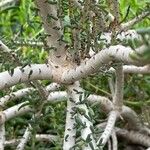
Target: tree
{"type": "Point", "coordinates": [83, 38]}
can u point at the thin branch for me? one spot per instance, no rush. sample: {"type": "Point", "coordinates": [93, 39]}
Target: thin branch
{"type": "Point", "coordinates": [24, 139]}
{"type": "Point", "coordinates": [138, 70]}
{"type": "Point", "coordinates": [11, 142]}
{"type": "Point", "coordinates": [106, 105]}
{"type": "Point", "coordinates": [106, 37]}
{"type": "Point", "coordinates": [131, 136]}
{"type": "Point", "coordinates": [14, 95]}
{"type": "Point", "coordinates": [133, 120]}
{"type": "Point", "coordinates": [20, 109]}
{"type": "Point", "coordinates": [14, 111]}
{"type": "Point", "coordinates": [29, 43]}
{"type": "Point", "coordinates": [77, 4]}
{"type": "Point", "coordinates": [116, 11]}
{"type": "Point", "coordinates": [137, 19]}
{"type": "Point", "coordinates": [21, 93]}
{"type": "Point", "coordinates": [133, 69]}
{"type": "Point", "coordinates": [119, 84]}
{"type": "Point", "coordinates": [11, 57]}
{"type": "Point", "coordinates": [46, 137]}
{"type": "Point", "coordinates": [111, 86]}
{"type": "Point", "coordinates": [39, 137]}
{"type": "Point", "coordinates": [109, 145]}
{"type": "Point", "coordinates": [109, 128]}
{"type": "Point", "coordinates": [28, 131]}
{"type": "Point", "coordinates": [114, 140]}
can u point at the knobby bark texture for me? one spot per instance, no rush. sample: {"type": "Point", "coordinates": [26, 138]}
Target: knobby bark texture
{"type": "Point", "coordinates": [95, 44]}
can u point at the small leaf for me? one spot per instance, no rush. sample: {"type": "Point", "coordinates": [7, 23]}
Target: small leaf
{"type": "Point", "coordinates": [25, 104]}
{"type": "Point", "coordinates": [30, 73]}
{"type": "Point", "coordinates": [11, 72]}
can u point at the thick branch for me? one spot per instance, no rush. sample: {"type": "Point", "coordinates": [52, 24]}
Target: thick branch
{"type": "Point", "coordinates": [117, 53]}
{"type": "Point", "coordinates": [82, 117]}
{"type": "Point", "coordinates": [70, 130]}
{"type": "Point", "coordinates": [49, 14]}
{"type": "Point", "coordinates": [134, 137]}
{"type": "Point", "coordinates": [23, 74]}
